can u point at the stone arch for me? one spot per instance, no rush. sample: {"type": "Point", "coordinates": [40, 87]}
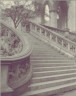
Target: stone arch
{"type": "Point", "coordinates": [58, 13]}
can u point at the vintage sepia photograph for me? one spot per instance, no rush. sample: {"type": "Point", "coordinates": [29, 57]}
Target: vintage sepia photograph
{"type": "Point", "coordinates": [37, 47]}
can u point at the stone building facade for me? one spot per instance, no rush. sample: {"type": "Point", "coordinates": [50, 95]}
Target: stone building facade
{"type": "Point", "coordinates": [59, 14]}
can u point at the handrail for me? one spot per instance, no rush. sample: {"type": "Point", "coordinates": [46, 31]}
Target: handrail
{"type": "Point", "coordinates": [53, 32]}
{"type": "Point", "coordinates": [52, 28]}
{"type": "Point", "coordinates": [62, 42]}
{"type": "Point", "coordinates": [60, 30]}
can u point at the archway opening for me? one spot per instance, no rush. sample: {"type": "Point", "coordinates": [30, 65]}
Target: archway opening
{"type": "Point", "coordinates": [63, 14]}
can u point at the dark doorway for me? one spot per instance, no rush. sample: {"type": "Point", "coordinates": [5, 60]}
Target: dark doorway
{"type": "Point", "coordinates": [63, 14]}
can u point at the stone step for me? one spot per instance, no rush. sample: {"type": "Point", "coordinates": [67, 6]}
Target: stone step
{"type": "Point", "coordinates": [51, 90]}
{"type": "Point", "coordinates": [51, 64]}
{"type": "Point", "coordinates": [43, 85]}
{"type": "Point", "coordinates": [48, 73]}
{"type": "Point", "coordinates": [52, 61]}
{"type": "Point", "coordinates": [49, 58]}
{"type": "Point", "coordinates": [39, 69]}
{"type": "Point", "coordinates": [45, 50]}
{"type": "Point", "coordinates": [41, 46]}
{"type": "Point", "coordinates": [52, 77]}
{"type": "Point", "coordinates": [47, 55]}
{"type": "Point", "coordinates": [51, 55]}
{"type": "Point", "coordinates": [42, 49]}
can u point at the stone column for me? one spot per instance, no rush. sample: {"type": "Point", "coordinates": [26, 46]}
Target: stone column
{"type": "Point", "coordinates": [53, 18]}
{"type": "Point", "coordinates": [72, 16]}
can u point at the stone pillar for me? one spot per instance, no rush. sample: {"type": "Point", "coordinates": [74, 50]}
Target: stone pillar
{"type": "Point", "coordinates": [4, 80]}
{"type": "Point", "coordinates": [72, 16]}
{"type": "Point", "coordinates": [53, 18]}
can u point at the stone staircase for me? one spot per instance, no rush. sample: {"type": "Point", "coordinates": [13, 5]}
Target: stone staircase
{"type": "Point", "coordinates": [53, 72]}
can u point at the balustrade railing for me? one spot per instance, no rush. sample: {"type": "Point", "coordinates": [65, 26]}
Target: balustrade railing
{"type": "Point", "coordinates": [16, 56]}
{"type": "Point", "coordinates": [53, 37]}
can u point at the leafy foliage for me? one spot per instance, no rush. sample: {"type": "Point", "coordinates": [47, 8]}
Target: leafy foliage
{"type": "Point", "coordinates": [18, 13]}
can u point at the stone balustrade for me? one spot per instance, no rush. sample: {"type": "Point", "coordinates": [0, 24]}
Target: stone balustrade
{"type": "Point", "coordinates": [57, 40]}
{"type": "Point", "coordinates": [15, 59]}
